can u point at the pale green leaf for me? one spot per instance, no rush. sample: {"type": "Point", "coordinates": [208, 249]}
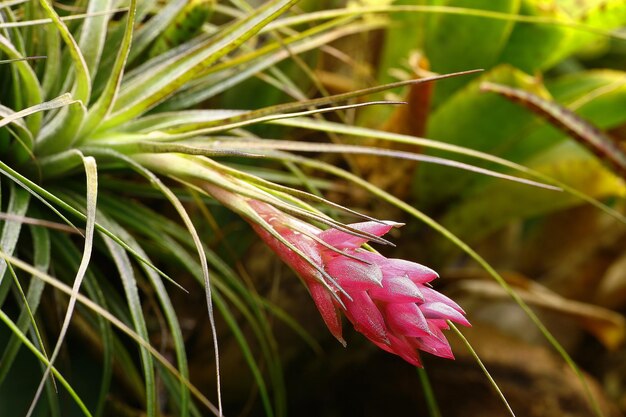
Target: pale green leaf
{"type": "Point", "coordinates": [106, 101]}
{"type": "Point", "coordinates": [162, 81]}
{"type": "Point", "coordinates": [93, 33]}
{"type": "Point", "coordinates": [82, 90]}
{"type": "Point", "coordinates": [92, 192]}
{"type": "Point", "coordinates": [61, 101]}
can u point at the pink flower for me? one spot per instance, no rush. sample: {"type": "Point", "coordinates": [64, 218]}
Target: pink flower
{"type": "Point", "coordinates": [387, 300]}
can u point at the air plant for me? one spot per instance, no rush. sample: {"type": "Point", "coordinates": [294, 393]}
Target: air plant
{"type": "Point", "coordinates": [104, 115]}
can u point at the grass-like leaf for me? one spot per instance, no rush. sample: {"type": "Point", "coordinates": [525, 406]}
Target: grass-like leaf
{"type": "Point", "coordinates": [171, 197]}
{"type": "Point", "coordinates": [82, 89]}
{"type": "Point", "coordinates": [61, 101]}
{"type": "Point", "coordinates": [482, 367]}
{"type": "Point", "coordinates": [106, 100]}
{"type": "Point", "coordinates": [129, 281]}
{"type": "Point", "coordinates": [92, 192]}
{"type": "Point", "coordinates": [460, 11]}
{"type": "Point", "coordinates": [157, 85]}
{"type": "Point", "coordinates": [24, 339]}
{"type": "Point", "coordinates": [38, 22]}
{"type": "Point", "coordinates": [11, 230]}
{"type": "Point", "coordinates": [41, 243]}
{"type": "Point", "coordinates": [160, 230]}
{"type": "Point", "coordinates": [259, 148]}
{"type": "Point", "coordinates": [112, 319]}
{"type": "Point", "coordinates": [432, 144]}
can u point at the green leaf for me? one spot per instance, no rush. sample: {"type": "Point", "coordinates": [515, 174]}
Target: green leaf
{"type": "Point", "coordinates": [92, 192]}
{"type": "Point", "coordinates": [127, 274]}
{"type": "Point", "coordinates": [93, 33]}
{"type": "Point", "coordinates": [492, 206]}
{"type": "Point", "coordinates": [11, 325]}
{"type": "Point", "coordinates": [161, 81]}
{"type": "Point", "coordinates": [41, 243]}
{"type": "Point", "coordinates": [18, 205]}
{"type": "Point", "coordinates": [404, 36]}
{"type": "Point", "coordinates": [82, 90]}
{"type": "Point", "coordinates": [456, 42]}
{"type": "Point", "coordinates": [539, 47]}
{"type": "Point", "coordinates": [27, 81]}
{"type": "Point", "coordinates": [468, 119]}
{"type": "Point", "coordinates": [600, 14]}
{"type": "Point", "coordinates": [106, 101]}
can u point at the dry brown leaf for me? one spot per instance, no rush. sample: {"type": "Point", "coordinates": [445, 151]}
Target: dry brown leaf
{"type": "Point", "coordinates": [393, 175]}
{"type": "Point", "coordinates": [612, 289]}
{"type": "Point", "coordinates": [607, 326]}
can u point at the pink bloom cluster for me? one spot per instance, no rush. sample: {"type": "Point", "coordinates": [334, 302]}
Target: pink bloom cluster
{"type": "Point", "coordinates": [388, 300]}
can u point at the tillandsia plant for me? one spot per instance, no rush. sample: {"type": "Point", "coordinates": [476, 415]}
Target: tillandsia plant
{"type": "Point", "coordinates": [387, 300]}
{"type": "Point", "coordinates": [97, 93]}
{"type": "Point", "coordinates": [95, 100]}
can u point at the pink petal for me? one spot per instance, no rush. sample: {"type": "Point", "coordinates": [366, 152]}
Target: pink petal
{"type": "Point", "coordinates": [305, 244]}
{"type": "Point", "coordinates": [433, 296]}
{"type": "Point", "coordinates": [406, 320]}
{"type": "Point", "coordinates": [391, 267]}
{"type": "Point", "coordinates": [403, 348]}
{"type": "Point", "coordinates": [417, 273]}
{"type": "Point", "coordinates": [366, 317]}
{"type": "Point", "coordinates": [440, 324]}
{"type": "Point", "coordinates": [328, 309]}
{"type": "Point", "coordinates": [354, 275]}
{"type": "Point", "coordinates": [434, 346]}
{"type": "Point", "coordinates": [444, 312]}
{"type": "Point", "coordinates": [397, 290]}
{"type": "Point", "coordinates": [408, 353]}
{"type": "Point", "coordinates": [435, 332]}
{"type": "Point", "coordinates": [343, 240]}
